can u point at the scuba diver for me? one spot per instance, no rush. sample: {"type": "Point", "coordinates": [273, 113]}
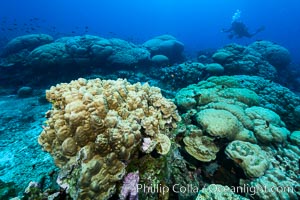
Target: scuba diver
{"type": "Point", "coordinates": [238, 29]}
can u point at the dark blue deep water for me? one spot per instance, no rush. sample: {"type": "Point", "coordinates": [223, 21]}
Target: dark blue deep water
{"type": "Point", "coordinates": [149, 99]}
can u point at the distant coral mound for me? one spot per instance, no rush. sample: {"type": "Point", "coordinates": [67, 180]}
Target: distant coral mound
{"type": "Point", "coordinates": [88, 50]}
{"type": "Point", "coordinates": [26, 42]}
{"type": "Point", "coordinates": [17, 50]}
{"type": "Point", "coordinates": [238, 59]}
{"type": "Point", "coordinates": [166, 45]}
{"type": "Point", "coordinates": [261, 58]}
{"type": "Point", "coordinates": [276, 55]}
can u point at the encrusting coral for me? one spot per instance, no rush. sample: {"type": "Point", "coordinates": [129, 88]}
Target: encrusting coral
{"type": "Point", "coordinates": [96, 126]}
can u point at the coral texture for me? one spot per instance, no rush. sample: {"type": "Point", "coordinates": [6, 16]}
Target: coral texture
{"type": "Point", "coordinates": [238, 59]}
{"type": "Point", "coordinates": [130, 186]}
{"type": "Point", "coordinates": [276, 55]}
{"type": "Point", "coordinates": [178, 76]}
{"type": "Point", "coordinates": [265, 93]}
{"type": "Point", "coordinates": [201, 147]}
{"type": "Point", "coordinates": [223, 110]}
{"type": "Point", "coordinates": [295, 138]}
{"type": "Point", "coordinates": [95, 127]}
{"type": "Point", "coordinates": [285, 158]}
{"type": "Point", "coordinates": [88, 50]}
{"type": "Point", "coordinates": [275, 184]}
{"type": "Point", "coordinates": [261, 58]}
{"type": "Point", "coordinates": [239, 114]}
{"type": "Point", "coordinates": [249, 157]}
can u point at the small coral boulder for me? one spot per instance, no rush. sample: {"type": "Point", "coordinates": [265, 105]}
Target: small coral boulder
{"type": "Point", "coordinates": [250, 157]}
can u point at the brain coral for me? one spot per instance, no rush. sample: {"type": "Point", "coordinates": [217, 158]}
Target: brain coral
{"type": "Point", "coordinates": [97, 126]}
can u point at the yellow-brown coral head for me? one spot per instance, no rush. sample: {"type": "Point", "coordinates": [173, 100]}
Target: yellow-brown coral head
{"type": "Point", "coordinates": [95, 126]}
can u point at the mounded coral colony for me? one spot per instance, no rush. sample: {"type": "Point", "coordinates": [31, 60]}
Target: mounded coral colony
{"type": "Point", "coordinates": [96, 126]}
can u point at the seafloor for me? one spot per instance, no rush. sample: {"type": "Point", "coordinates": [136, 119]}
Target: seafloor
{"type": "Point", "coordinates": [86, 117]}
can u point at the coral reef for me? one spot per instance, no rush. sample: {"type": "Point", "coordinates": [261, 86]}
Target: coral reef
{"type": "Point", "coordinates": [268, 126]}
{"type": "Point", "coordinates": [109, 137]}
{"type": "Point", "coordinates": [182, 173]}
{"type": "Point", "coordinates": [261, 58]}
{"type": "Point", "coordinates": [276, 55]}
{"type": "Point", "coordinates": [166, 45]}
{"type": "Point", "coordinates": [249, 157]}
{"type": "Point", "coordinates": [295, 138]}
{"type": "Point", "coordinates": [152, 172]}
{"type": "Point", "coordinates": [273, 185]}
{"type": "Point", "coordinates": [88, 50]}
{"type": "Point", "coordinates": [26, 43]}
{"type": "Point", "coordinates": [201, 147]}
{"type": "Point", "coordinates": [49, 56]}
{"type": "Point", "coordinates": [178, 76]}
{"type": "Point", "coordinates": [224, 119]}
{"type": "Point", "coordinates": [269, 95]}
{"type": "Point", "coordinates": [285, 158]}
{"type": "Point", "coordinates": [238, 59]}
{"type": "Point", "coordinates": [95, 127]}
{"type": "Point", "coordinates": [160, 60]}
{"type": "Point", "coordinates": [214, 69]}
{"type": "Point", "coordinates": [231, 112]}
{"type": "Point", "coordinates": [219, 123]}
{"type": "Point", "coordinates": [17, 50]}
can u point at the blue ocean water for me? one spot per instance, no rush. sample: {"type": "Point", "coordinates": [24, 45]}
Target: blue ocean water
{"type": "Point", "coordinates": [197, 24]}
{"type": "Point", "coordinates": [81, 115]}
